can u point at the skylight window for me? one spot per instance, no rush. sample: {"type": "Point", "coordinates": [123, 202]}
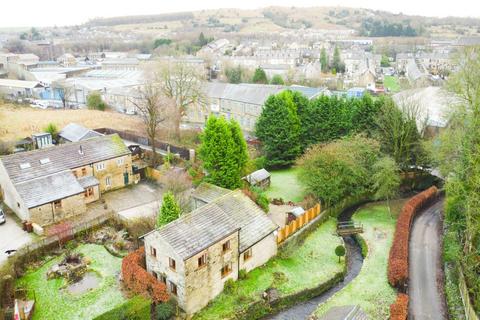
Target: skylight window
{"type": "Point", "coordinates": [25, 165]}
{"type": "Point", "coordinates": [44, 161]}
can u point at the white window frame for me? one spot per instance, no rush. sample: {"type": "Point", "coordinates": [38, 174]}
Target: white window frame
{"type": "Point", "coordinates": [108, 181]}
{"type": "Point", "coordinates": [120, 162]}
{"type": "Point", "coordinates": [100, 166]}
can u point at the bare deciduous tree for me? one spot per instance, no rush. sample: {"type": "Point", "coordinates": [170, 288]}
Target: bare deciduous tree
{"type": "Point", "coordinates": [153, 107]}
{"type": "Point", "coordinates": [180, 184]}
{"type": "Point", "coordinates": [184, 84]}
{"type": "Point", "coordinates": [64, 91]}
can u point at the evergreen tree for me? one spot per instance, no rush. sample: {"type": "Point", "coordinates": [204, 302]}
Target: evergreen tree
{"type": "Point", "coordinates": [278, 127]}
{"type": "Point", "coordinates": [277, 79]}
{"type": "Point", "coordinates": [223, 153]}
{"type": "Point", "coordinates": [169, 211]}
{"type": "Point", "coordinates": [260, 77]}
{"type": "Point", "coordinates": [240, 147]}
{"type": "Point", "coordinates": [337, 64]}
{"type": "Point", "coordinates": [324, 60]}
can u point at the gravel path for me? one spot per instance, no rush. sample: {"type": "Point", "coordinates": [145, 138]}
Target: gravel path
{"type": "Point", "coordinates": [426, 275]}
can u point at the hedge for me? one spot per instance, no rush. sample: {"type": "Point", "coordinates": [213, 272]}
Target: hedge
{"type": "Point", "coordinates": [398, 258]}
{"type": "Point", "coordinates": [399, 309]}
{"type": "Point", "coordinates": [138, 280]}
{"type": "Point", "coordinates": [137, 308]}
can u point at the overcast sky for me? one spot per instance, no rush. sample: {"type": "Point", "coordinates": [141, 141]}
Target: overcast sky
{"type": "Point", "coordinates": [22, 13]}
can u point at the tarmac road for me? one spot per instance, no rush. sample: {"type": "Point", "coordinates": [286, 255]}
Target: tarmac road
{"type": "Point", "coordinates": [426, 276]}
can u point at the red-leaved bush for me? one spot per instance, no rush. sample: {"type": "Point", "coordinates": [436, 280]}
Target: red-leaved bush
{"type": "Point", "coordinates": [138, 280]}
{"type": "Point", "coordinates": [399, 309]}
{"type": "Point", "coordinates": [398, 259]}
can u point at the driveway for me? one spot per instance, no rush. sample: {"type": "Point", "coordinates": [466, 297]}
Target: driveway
{"type": "Point", "coordinates": [12, 237]}
{"type": "Point", "coordinates": [139, 200]}
{"type": "Point", "coordinates": [426, 300]}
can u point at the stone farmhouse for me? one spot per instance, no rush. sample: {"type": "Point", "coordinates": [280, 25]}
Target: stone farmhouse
{"type": "Point", "coordinates": [196, 254]}
{"type": "Point", "coordinates": [48, 185]}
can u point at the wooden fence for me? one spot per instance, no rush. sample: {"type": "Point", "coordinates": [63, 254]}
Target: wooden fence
{"type": "Point", "coordinates": [184, 153]}
{"type": "Point", "coordinates": [298, 223]}
{"type": "Point", "coordinates": [469, 311]}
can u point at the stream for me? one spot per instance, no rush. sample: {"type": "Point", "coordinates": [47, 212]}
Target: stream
{"type": "Point", "coordinates": [303, 310]}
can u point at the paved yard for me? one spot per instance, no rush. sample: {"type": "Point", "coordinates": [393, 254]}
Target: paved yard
{"type": "Point", "coordinates": [139, 200]}
{"type": "Point", "coordinates": [12, 236]}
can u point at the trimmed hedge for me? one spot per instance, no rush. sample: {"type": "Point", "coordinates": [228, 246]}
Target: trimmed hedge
{"type": "Point", "coordinates": [138, 280]}
{"type": "Point", "coordinates": [399, 309]}
{"type": "Point", "coordinates": [362, 243]}
{"type": "Point", "coordinates": [137, 308]}
{"type": "Point", "coordinates": [398, 258]}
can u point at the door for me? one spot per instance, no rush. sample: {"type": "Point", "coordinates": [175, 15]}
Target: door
{"type": "Point", "coordinates": [125, 178]}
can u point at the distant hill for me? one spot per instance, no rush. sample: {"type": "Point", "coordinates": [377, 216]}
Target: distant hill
{"type": "Point", "coordinates": [365, 21]}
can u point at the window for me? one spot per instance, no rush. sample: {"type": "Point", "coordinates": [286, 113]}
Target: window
{"type": "Point", "coordinates": [84, 171]}
{"type": "Point", "coordinates": [153, 252]}
{"type": "Point", "coordinates": [25, 165]}
{"type": "Point", "coordinates": [88, 192]}
{"type": "Point", "coordinates": [18, 204]}
{"type": "Point", "coordinates": [75, 173]}
{"type": "Point", "coordinates": [44, 161]}
{"type": "Point", "coordinates": [247, 254]}
{"type": "Point", "coordinates": [57, 204]}
{"type": "Point", "coordinates": [101, 166]}
{"type": "Point", "coordinates": [202, 260]}
{"type": "Point", "coordinates": [108, 181]}
{"type": "Point", "coordinates": [226, 270]}
{"type": "Point", "coordinates": [120, 162]}
{"type": "Point", "coordinates": [226, 246]}
{"type": "Point", "coordinates": [172, 264]}
{"type": "Point", "coordinates": [173, 288]}
{"type": "Point", "coordinates": [162, 278]}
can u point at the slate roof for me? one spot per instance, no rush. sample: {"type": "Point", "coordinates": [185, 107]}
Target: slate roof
{"type": "Point", "coordinates": [257, 176]}
{"type": "Point", "coordinates": [48, 188]}
{"type": "Point", "coordinates": [207, 225]}
{"type": "Point", "coordinates": [63, 157]}
{"type": "Point", "coordinates": [88, 181]}
{"type": "Point", "coordinates": [208, 192]}
{"type": "Point", "coordinates": [74, 132]}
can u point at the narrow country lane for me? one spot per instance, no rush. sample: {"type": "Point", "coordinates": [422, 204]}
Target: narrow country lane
{"type": "Point", "coordinates": [426, 275]}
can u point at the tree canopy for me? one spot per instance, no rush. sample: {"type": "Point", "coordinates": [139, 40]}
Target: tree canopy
{"type": "Point", "coordinates": [278, 127]}
{"type": "Point", "coordinates": [260, 77]}
{"type": "Point", "coordinates": [169, 211]}
{"type": "Point", "coordinates": [223, 152]}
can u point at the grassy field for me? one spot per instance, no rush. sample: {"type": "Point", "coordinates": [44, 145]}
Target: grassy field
{"type": "Point", "coordinates": [20, 122]}
{"type": "Point", "coordinates": [312, 264]}
{"type": "Point", "coordinates": [285, 185]}
{"type": "Point", "coordinates": [370, 289]}
{"type": "Point", "coordinates": [391, 83]}
{"type": "Point", "coordinates": [54, 302]}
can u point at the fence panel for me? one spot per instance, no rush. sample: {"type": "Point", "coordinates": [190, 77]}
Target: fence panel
{"type": "Point", "coordinates": [469, 311]}
{"type": "Point", "coordinates": [298, 223]}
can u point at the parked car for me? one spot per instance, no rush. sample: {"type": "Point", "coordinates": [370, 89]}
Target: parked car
{"type": "Point", "coordinates": [3, 219]}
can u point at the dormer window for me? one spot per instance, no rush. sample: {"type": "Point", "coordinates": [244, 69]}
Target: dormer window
{"type": "Point", "coordinates": [25, 165]}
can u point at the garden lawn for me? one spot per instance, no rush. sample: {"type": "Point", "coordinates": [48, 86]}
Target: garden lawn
{"type": "Point", "coordinates": [53, 302]}
{"type": "Point", "coordinates": [391, 83]}
{"type": "Point", "coordinates": [370, 289]}
{"type": "Point", "coordinates": [285, 184]}
{"type": "Point", "coordinates": [307, 267]}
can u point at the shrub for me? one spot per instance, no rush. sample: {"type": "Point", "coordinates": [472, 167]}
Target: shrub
{"type": "Point", "coordinates": [399, 309]}
{"type": "Point", "coordinates": [242, 274]}
{"type": "Point", "coordinates": [259, 197]}
{"type": "Point", "coordinates": [164, 311]}
{"type": "Point", "coordinates": [138, 280]}
{"type": "Point", "coordinates": [398, 258]}
{"type": "Point", "coordinates": [95, 102]}
{"type": "Point", "coordinates": [137, 308]}
{"type": "Point", "coordinates": [229, 286]}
